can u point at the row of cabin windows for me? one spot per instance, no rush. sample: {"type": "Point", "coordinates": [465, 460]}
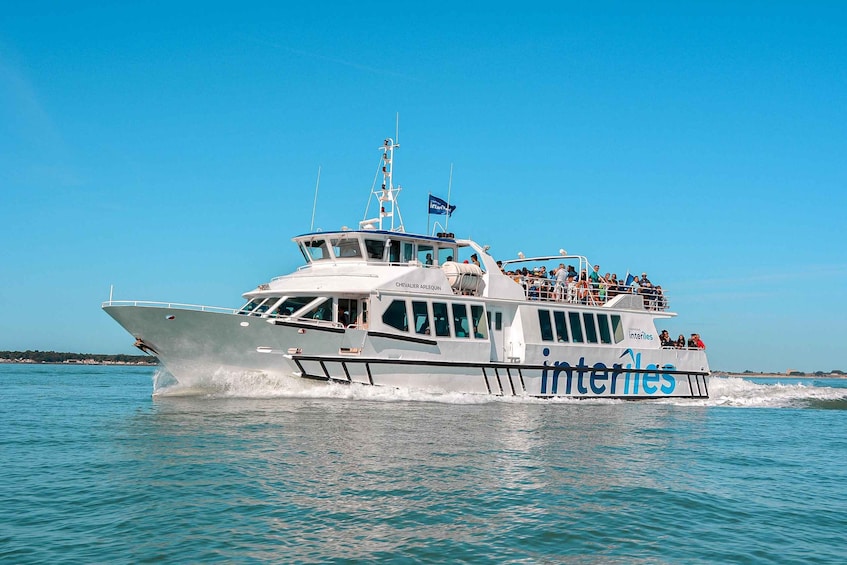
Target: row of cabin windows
{"type": "Point", "coordinates": [437, 318]}
{"type": "Point", "coordinates": [347, 309]}
{"type": "Point", "coordinates": [569, 326]}
{"type": "Point", "coordinates": [399, 251]}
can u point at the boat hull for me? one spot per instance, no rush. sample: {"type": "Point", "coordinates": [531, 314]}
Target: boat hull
{"type": "Point", "coordinates": [192, 344]}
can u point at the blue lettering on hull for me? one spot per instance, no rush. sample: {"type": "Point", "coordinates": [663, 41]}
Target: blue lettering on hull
{"type": "Point", "coordinates": [620, 380]}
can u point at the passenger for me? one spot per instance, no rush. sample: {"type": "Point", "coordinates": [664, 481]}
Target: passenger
{"type": "Point", "coordinates": [634, 285]}
{"type": "Point", "coordinates": [594, 276]}
{"type": "Point", "coordinates": [429, 258]}
{"type": "Point", "coordinates": [614, 285]}
{"type": "Point", "coordinates": [666, 340]}
{"type": "Point", "coordinates": [661, 301]}
{"type": "Point", "coordinates": [699, 342]}
{"type": "Point", "coordinates": [583, 289]}
{"type": "Point", "coordinates": [571, 296]}
{"type": "Point", "coordinates": [680, 342]}
{"type": "Point", "coordinates": [561, 282]}
{"type": "Point", "coordinates": [646, 290]}
{"type": "Point", "coordinates": [475, 260]}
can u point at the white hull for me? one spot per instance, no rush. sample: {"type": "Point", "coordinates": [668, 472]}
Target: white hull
{"type": "Point", "coordinates": [192, 343]}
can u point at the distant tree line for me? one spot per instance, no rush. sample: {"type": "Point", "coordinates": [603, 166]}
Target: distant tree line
{"type": "Point", "coordinates": [59, 357]}
{"type": "Point", "coordinates": [801, 373]}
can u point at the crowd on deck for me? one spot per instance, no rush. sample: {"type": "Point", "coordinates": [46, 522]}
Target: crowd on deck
{"type": "Point", "coordinates": [694, 342]}
{"type": "Point", "coordinates": [564, 284]}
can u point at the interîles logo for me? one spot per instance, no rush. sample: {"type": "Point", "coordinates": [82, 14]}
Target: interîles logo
{"type": "Point", "coordinates": [605, 381]}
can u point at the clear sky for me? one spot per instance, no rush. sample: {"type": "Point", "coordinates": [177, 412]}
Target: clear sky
{"type": "Point", "coordinates": [171, 149]}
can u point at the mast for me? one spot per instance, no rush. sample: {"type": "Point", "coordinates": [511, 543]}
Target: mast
{"type": "Point", "coordinates": [389, 210]}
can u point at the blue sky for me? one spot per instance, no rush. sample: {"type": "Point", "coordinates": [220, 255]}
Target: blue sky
{"type": "Point", "coordinates": [171, 150]}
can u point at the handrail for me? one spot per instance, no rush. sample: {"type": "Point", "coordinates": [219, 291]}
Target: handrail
{"type": "Point", "coordinates": [538, 288]}
{"type": "Point", "coordinates": [170, 305]}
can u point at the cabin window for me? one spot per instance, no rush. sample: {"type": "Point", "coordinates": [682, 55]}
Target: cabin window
{"type": "Point", "coordinates": [266, 305]}
{"type": "Point", "coordinates": [440, 319]}
{"type": "Point", "coordinates": [561, 326]}
{"type": "Point", "coordinates": [317, 249]}
{"type": "Point", "coordinates": [617, 328]}
{"type": "Point", "coordinates": [425, 255]}
{"type": "Point", "coordinates": [498, 321]}
{"type": "Point", "coordinates": [375, 248]}
{"type": "Point", "coordinates": [395, 316]}
{"type": "Point", "coordinates": [322, 311]}
{"type": "Point", "coordinates": [420, 317]}
{"type": "Point", "coordinates": [346, 247]}
{"type": "Point", "coordinates": [460, 320]}
{"type": "Point", "coordinates": [292, 304]}
{"type": "Point", "coordinates": [348, 313]}
{"type": "Point", "coordinates": [477, 316]}
{"type": "Point", "coordinates": [252, 305]}
{"type": "Point", "coordinates": [408, 251]}
{"type": "Point", "coordinates": [546, 326]}
{"type": "Point", "coordinates": [603, 323]}
{"type": "Point", "coordinates": [590, 327]}
{"type": "Point", "coordinates": [576, 327]}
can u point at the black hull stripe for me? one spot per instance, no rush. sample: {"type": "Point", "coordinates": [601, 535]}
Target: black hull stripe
{"type": "Point", "coordinates": [486, 365]}
{"type": "Point", "coordinates": [403, 338]}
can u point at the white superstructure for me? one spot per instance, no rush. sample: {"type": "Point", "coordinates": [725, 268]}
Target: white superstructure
{"type": "Point", "coordinates": [378, 306]}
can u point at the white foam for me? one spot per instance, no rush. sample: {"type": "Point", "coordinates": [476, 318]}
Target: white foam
{"type": "Point", "coordinates": [723, 391]}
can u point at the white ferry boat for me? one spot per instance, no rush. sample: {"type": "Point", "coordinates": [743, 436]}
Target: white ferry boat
{"type": "Point", "coordinates": [376, 306]}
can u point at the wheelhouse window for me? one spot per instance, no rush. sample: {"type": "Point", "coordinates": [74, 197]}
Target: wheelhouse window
{"type": "Point", "coordinates": [292, 304]}
{"type": "Point", "coordinates": [346, 247]}
{"type": "Point", "coordinates": [395, 316]}
{"type": "Point", "coordinates": [440, 319]}
{"type": "Point", "coordinates": [375, 248]}
{"type": "Point", "coordinates": [460, 320]}
{"type": "Point", "coordinates": [394, 252]}
{"type": "Point", "coordinates": [316, 249]}
{"type": "Point", "coordinates": [446, 254]}
{"type": "Point", "coordinates": [420, 317]}
{"type": "Point", "coordinates": [425, 255]}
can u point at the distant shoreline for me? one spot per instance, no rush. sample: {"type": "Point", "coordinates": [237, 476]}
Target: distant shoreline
{"type": "Point", "coordinates": [780, 375]}
{"type": "Point", "coordinates": [36, 357]}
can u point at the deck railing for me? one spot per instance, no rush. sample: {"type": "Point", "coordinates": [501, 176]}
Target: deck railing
{"type": "Point", "coordinates": [549, 291]}
{"type": "Point", "coordinates": [173, 305]}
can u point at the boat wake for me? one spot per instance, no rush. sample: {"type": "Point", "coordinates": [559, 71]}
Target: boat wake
{"type": "Point", "coordinates": [724, 391]}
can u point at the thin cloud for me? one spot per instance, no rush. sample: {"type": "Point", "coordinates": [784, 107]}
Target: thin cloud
{"type": "Point", "coordinates": [334, 60]}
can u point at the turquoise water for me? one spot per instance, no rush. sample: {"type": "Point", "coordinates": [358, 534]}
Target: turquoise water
{"type": "Point", "coordinates": [95, 470]}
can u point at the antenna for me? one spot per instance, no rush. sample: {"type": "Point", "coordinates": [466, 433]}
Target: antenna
{"type": "Point", "coordinates": [449, 187]}
{"type": "Point", "coordinates": [315, 205]}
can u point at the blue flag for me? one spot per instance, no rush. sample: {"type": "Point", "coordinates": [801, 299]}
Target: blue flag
{"type": "Point", "coordinates": [438, 206]}
{"type": "Point", "coordinates": [629, 279]}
